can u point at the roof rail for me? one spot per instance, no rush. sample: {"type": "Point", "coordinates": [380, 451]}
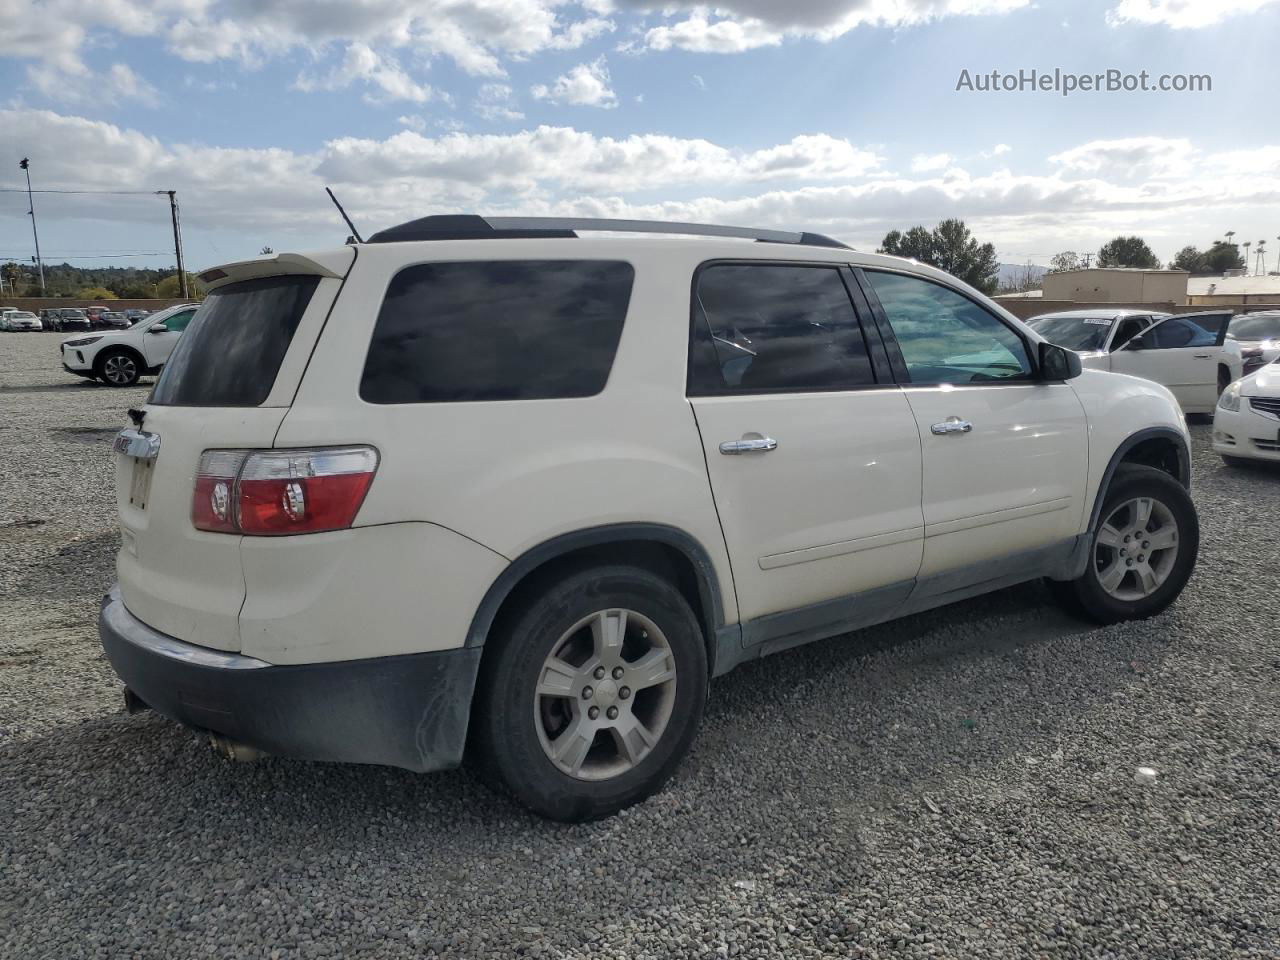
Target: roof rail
{"type": "Point", "coordinates": [474, 227]}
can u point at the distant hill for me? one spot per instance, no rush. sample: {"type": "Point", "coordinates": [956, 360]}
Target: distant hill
{"type": "Point", "coordinates": [1010, 272]}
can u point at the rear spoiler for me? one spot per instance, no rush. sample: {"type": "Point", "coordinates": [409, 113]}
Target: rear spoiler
{"type": "Point", "coordinates": [330, 263]}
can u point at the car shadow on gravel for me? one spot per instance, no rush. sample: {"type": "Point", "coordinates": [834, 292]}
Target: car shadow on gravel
{"type": "Point", "coordinates": [71, 569]}
{"type": "Point", "coordinates": [75, 386]}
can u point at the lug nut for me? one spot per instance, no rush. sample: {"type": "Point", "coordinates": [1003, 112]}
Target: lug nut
{"type": "Point", "coordinates": [587, 693]}
{"type": "Point", "coordinates": [624, 692]}
{"type": "Point", "coordinates": [593, 712]}
{"type": "Point", "coordinates": [1126, 538]}
{"type": "Point", "coordinates": [612, 713]}
{"type": "Point", "coordinates": [599, 674]}
{"type": "Point", "coordinates": [1129, 562]}
{"type": "Point", "coordinates": [1142, 557]}
{"type": "Point", "coordinates": [617, 673]}
{"type": "Point", "coordinates": [1146, 544]}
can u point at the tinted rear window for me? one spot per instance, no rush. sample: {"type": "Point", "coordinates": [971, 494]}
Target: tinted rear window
{"type": "Point", "coordinates": [497, 330]}
{"type": "Point", "coordinates": [232, 349]}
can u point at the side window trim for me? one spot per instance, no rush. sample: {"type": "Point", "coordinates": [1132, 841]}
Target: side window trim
{"type": "Point", "coordinates": [896, 359]}
{"type": "Point", "coordinates": [870, 336]}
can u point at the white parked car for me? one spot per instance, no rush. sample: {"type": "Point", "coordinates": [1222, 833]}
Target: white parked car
{"type": "Point", "coordinates": [1258, 337]}
{"type": "Point", "coordinates": [1188, 353]}
{"type": "Point", "coordinates": [20, 320]}
{"type": "Point", "coordinates": [513, 489]}
{"type": "Point", "coordinates": [120, 357]}
{"type": "Point", "coordinates": [1246, 424]}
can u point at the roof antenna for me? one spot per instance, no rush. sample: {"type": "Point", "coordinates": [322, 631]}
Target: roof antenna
{"type": "Point", "coordinates": [355, 234]}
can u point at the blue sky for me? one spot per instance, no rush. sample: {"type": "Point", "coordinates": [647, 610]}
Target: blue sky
{"type": "Point", "coordinates": [834, 115]}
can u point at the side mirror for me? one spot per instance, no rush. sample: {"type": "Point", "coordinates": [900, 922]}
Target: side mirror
{"type": "Point", "coordinates": [1059, 363]}
{"type": "Point", "coordinates": [158, 328]}
{"type": "Point", "coordinates": [1135, 343]}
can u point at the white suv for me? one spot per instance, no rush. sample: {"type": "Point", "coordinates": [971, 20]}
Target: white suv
{"type": "Point", "coordinates": [497, 488]}
{"type": "Point", "coordinates": [119, 357]}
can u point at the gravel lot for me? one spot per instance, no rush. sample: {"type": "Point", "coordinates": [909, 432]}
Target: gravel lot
{"type": "Point", "coordinates": [957, 784]}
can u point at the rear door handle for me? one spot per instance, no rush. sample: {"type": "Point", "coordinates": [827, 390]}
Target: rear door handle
{"type": "Point", "coordinates": [733, 448]}
{"type": "Point", "coordinates": [1203, 356]}
{"type": "Point", "coordinates": [951, 425]}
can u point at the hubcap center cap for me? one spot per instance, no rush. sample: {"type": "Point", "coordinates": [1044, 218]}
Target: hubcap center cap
{"type": "Point", "coordinates": [606, 692]}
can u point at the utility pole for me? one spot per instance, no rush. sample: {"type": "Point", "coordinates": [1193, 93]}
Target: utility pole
{"type": "Point", "coordinates": [25, 164]}
{"type": "Point", "coordinates": [177, 243]}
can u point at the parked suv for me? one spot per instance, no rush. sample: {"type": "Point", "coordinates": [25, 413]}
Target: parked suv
{"type": "Point", "coordinates": [505, 488]}
{"type": "Point", "coordinates": [119, 357]}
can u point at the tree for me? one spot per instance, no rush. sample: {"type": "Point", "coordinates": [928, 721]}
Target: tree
{"type": "Point", "coordinates": [1189, 259]}
{"type": "Point", "coordinates": [168, 287]}
{"type": "Point", "coordinates": [96, 293]}
{"type": "Point", "coordinates": [1222, 257]}
{"type": "Point", "coordinates": [1127, 252]}
{"type": "Point", "coordinates": [1023, 278]}
{"type": "Point", "coordinates": [950, 247]}
{"type": "Point", "coordinates": [1064, 261]}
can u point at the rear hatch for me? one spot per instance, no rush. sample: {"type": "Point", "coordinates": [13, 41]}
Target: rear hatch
{"type": "Point", "coordinates": [228, 384]}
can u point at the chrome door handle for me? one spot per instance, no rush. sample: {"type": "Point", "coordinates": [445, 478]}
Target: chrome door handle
{"type": "Point", "coordinates": [951, 425]}
{"type": "Point", "coordinates": [1203, 356]}
{"type": "Point", "coordinates": [732, 448]}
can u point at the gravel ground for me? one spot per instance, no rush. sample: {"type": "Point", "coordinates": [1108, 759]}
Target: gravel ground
{"type": "Point", "coordinates": [958, 784]}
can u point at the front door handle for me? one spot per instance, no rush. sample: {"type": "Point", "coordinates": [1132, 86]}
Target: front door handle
{"type": "Point", "coordinates": [1203, 356]}
{"type": "Point", "coordinates": [951, 425]}
{"type": "Point", "coordinates": [732, 448]}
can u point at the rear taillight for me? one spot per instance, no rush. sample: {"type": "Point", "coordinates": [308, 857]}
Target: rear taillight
{"type": "Point", "coordinates": [280, 492]}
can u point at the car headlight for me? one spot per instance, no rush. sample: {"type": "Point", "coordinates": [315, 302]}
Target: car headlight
{"type": "Point", "coordinates": [83, 342]}
{"type": "Point", "coordinates": [1230, 399]}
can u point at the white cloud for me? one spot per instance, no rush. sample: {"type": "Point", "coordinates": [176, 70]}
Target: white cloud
{"type": "Point", "coordinates": [999, 150]}
{"type": "Point", "coordinates": [1129, 158]}
{"type": "Point", "coordinates": [493, 102]}
{"type": "Point", "coordinates": [1182, 14]}
{"type": "Point", "coordinates": [928, 162]}
{"type": "Point", "coordinates": [78, 84]}
{"type": "Point", "coordinates": [698, 82]}
{"type": "Point", "coordinates": [586, 85]}
{"type": "Point", "coordinates": [413, 122]}
{"type": "Point", "coordinates": [383, 74]}
{"type": "Point", "coordinates": [738, 25]}
{"type": "Point", "coordinates": [815, 182]}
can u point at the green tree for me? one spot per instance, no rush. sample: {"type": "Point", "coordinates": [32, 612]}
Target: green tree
{"type": "Point", "coordinates": [1127, 252]}
{"type": "Point", "coordinates": [168, 287]}
{"type": "Point", "coordinates": [138, 290]}
{"type": "Point", "coordinates": [1190, 259]}
{"type": "Point", "coordinates": [96, 293]}
{"type": "Point", "coordinates": [1064, 261]}
{"type": "Point", "coordinates": [950, 247]}
{"type": "Point", "coordinates": [1222, 257]}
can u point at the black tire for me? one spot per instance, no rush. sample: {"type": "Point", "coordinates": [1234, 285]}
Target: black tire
{"type": "Point", "coordinates": [1085, 596]}
{"type": "Point", "coordinates": [1224, 379]}
{"type": "Point", "coordinates": [118, 368]}
{"type": "Point", "coordinates": [506, 744]}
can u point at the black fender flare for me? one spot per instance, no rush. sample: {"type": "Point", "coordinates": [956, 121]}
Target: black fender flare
{"type": "Point", "coordinates": [1131, 441]}
{"type": "Point", "coordinates": [708, 583]}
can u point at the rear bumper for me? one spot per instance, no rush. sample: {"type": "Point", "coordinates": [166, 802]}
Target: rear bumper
{"type": "Point", "coordinates": [407, 711]}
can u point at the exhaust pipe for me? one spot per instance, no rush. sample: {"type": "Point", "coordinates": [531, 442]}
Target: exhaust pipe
{"type": "Point", "coordinates": [134, 703]}
{"type": "Point", "coordinates": [234, 750]}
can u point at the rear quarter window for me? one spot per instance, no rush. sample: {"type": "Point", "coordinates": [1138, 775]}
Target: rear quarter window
{"type": "Point", "coordinates": [497, 330]}
{"type": "Point", "coordinates": [230, 352]}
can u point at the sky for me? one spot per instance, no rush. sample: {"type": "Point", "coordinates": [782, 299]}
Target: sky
{"type": "Point", "coordinates": [847, 117]}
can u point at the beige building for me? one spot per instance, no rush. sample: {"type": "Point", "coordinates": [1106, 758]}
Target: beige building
{"type": "Point", "coordinates": [1118, 285]}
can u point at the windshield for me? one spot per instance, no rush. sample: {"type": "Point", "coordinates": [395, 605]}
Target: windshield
{"type": "Point", "coordinates": [1075, 333]}
{"type": "Point", "coordinates": [1255, 326]}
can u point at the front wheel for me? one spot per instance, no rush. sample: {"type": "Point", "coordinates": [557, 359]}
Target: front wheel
{"type": "Point", "coordinates": [119, 368]}
{"type": "Point", "coordinates": [591, 693]}
{"type": "Point", "coordinates": [1142, 552]}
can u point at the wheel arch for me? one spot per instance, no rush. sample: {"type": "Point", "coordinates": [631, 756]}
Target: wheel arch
{"type": "Point", "coordinates": [1161, 447]}
{"type": "Point", "coordinates": [667, 551]}
{"type": "Point", "coordinates": [100, 357]}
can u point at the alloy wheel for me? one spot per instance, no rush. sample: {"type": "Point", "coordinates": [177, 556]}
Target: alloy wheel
{"type": "Point", "coordinates": [1136, 548]}
{"type": "Point", "coordinates": [120, 369]}
{"type": "Point", "coordinates": [605, 694]}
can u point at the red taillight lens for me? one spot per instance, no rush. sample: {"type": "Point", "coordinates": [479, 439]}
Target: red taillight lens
{"type": "Point", "coordinates": [280, 492]}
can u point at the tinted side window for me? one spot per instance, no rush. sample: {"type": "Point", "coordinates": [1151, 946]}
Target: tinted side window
{"type": "Point", "coordinates": [1179, 333]}
{"type": "Point", "coordinates": [178, 322]}
{"type": "Point", "coordinates": [946, 337]}
{"type": "Point", "coordinates": [775, 327]}
{"type": "Point", "coordinates": [235, 343]}
{"type": "Point", "coordinates": [497, 330]}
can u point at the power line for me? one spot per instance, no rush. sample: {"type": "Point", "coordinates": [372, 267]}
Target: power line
{"type": "Point", "coordinates": [99, 256]}
{"type": "Point", "coordinates": [118, 193]}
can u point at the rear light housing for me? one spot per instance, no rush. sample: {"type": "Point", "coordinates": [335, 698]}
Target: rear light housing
{"type": "Point", "coordinates": [266, 493]}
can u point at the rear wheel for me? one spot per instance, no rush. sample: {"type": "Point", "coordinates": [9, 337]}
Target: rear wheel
{"type": "Point", "coordinates": [118, 368]}
{"type": "Point", "coordinates": [591, 693]}
{"type": "Point", "coordinates": [1142, 552]}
